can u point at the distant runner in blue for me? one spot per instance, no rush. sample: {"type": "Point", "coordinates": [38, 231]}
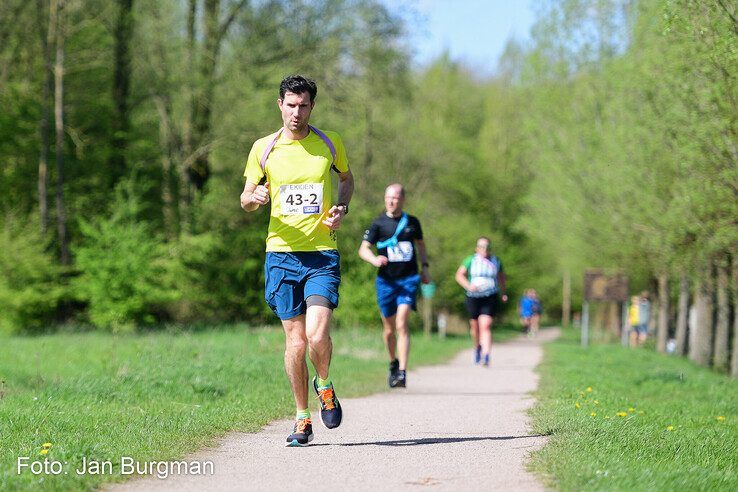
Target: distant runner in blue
{"type": "Point", "coordinates": [398, 238]}
{"type": "Point", "coordinates": [530, 310]}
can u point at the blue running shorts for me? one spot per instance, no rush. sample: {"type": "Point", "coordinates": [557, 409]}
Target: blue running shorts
{"type": "Point", "coordinates": [393, 292]}
{"type": "Point", "coordinates": [290, 278]}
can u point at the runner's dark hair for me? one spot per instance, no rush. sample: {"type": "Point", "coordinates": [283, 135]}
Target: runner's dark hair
{"type": "Point", "coordinates": [297, 84]}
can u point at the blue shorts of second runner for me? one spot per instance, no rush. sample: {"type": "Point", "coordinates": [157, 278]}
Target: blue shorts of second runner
{"type": "Point", "coordinates": [393, 292]}
{"type": "Point", "coordinates": [290, 278]}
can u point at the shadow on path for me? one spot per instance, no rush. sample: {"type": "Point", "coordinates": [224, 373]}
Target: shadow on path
{"type": "Point", "coordinates": [465, 393]}
{"type": "Point", "coordinates": [431, 440]}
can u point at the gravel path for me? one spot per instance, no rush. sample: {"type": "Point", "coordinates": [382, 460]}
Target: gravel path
{"type": "Point", "coordinates": [456, 427]}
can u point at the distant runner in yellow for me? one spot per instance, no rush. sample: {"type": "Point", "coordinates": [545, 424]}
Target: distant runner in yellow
{"type": "Point", "coordinates": [291, 169]}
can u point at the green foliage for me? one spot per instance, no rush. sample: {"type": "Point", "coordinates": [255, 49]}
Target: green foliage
{"type": "Point", "coordinates": [31, 287]}
{"type": "Point", "coordinates": [608, 141]}
{"type": "Point", "coordinates": [125, 267]}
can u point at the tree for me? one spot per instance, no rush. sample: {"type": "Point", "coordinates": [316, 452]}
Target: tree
{"type": "Point", "coordinates": [682, 315]}
{"type": "Point", "coordinates": [121, 87]}
{"type": "Point", "coordinates": [700, 341]}
{"type": "Point", "coordinates": [57, 21]}
{"type": "Point", "coordinates": [47, 42]}
{"type": "Point", "coordinates": [662, 330]}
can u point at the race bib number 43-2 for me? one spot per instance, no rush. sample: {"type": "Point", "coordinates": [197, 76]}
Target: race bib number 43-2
{"type": "Point", "coordinates": [301, 199]}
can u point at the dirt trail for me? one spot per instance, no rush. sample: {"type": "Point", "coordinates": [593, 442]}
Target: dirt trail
{"type": "Point", "coordinates": [456, 427]}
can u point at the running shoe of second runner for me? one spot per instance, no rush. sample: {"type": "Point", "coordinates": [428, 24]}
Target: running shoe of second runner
{"type": "Point", "coordinates": [330, 408]}
{"type": "Point", "coordinates": [400, 380]}
{"type": "Point", "coordinates": [302, 433]}
{"type": "Point", "coordinates": [478, 354]}
{"type": "Point", "coordinates": [394, 369]}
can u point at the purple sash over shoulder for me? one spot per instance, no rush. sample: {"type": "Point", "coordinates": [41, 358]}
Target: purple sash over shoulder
{"type": "Point", "coordinates": [319, 133]}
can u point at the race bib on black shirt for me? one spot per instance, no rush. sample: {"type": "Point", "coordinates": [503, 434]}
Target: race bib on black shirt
{"type": "Point", "coordinates": [402, 257]}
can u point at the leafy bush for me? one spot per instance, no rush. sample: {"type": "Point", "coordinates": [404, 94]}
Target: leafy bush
{"type": "Point", "coordinates": [30, 281]}
{"type": "Point", "coordinates": [126, 268]}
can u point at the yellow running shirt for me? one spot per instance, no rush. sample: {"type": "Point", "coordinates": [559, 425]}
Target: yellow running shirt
{"type": "Point", "coordinates": [299, 176]}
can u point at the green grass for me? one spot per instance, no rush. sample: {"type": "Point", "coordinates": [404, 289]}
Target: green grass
{"type": "Point", "coordinates": [671, 437]}
{"type": "Point", "coordinates": [158, 396]}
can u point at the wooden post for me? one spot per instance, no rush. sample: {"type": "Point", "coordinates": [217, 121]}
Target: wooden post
{"type": "Point", "coordinates": [682, 315]}
{"type": "Point", "coordinates": [427, 316]}
{"type": "Point", "coordinates": [566, 301]}
{"type": "Point", "coordinates": [585, 324]}
{"type": "Point", "coordinates": [662, 330]}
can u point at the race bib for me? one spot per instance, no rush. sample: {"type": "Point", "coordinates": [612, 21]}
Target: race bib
{"type": "Point", "coordinates": [301, 199]}
{"type": "Point", "coordinates": [483, 284]}
{"type": "Point", "coordinates": [400, 253]}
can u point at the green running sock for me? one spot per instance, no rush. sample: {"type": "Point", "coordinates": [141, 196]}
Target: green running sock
{"type": "Point", "coordinates": [303, 414]}
{"type": "Point", "coordinates": [324, 383]}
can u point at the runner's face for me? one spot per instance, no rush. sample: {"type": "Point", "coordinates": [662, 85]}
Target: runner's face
{"type": "Point", "coordinates": [483, 248]}
{"type": "Point", "coordinates": [295, 110]}
{"type": "Point", "coordinates": [393, 200]}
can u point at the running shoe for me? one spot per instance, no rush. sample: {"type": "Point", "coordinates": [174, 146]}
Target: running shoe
{"type": "Point", "coordinates": [401, 380]}
{"type": "Point", "coordinates": [478, 354]}
{"type": "Point", "coordinates": [486, 360]}
{"type": "Point", "coordinates": [394, 367]}
{"type": "Point", "coordinates": [330, 409]}
{"type": "Point", "coordinates": [302, 433]}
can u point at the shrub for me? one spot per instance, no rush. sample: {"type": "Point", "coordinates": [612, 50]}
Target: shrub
{"type": "Point", "coordinates": [30, 281]}
{"type": "Point", "coordinates": [125, 267]}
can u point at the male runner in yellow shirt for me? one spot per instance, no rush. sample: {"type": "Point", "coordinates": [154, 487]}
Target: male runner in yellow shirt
{"type": "Point", "coordinates": [301, 271]}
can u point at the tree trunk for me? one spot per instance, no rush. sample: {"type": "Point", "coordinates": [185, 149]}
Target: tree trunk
{"type": "Point", "coordinates": [734, 362]}
{"type": "Point", "coordinates": [165, 144]}
{"type": "Point", "coordinates": [613, 321]}
{"type": "Point", "coordinates": [566, 301]}
{"type": "Point", "coordinates": [199, 169]}
{"type": "Point", "coordinates": [662, 330]}
{"type": "Point", "coordinates": [654, 311]}
{"type": "Point", "coordinates": [121, 86]}
{"type": "Point", "coordinates": [700, 347]}
{"type": "Point", "coordinates": [46, 31]}
{"type": "Point", "coordinates": [202, 104]}
{"type": "Point", "coordinates": [681, 328]}
{"type": "Point", "coordinates": [57, 8]}
{"type": "Point", "coordinates": [722, 325]}
{"type": "Point", "coordinates": [185, 191]}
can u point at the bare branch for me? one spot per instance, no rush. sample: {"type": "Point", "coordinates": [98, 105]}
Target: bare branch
{"type": "Point", "coordinates": [229, 20]}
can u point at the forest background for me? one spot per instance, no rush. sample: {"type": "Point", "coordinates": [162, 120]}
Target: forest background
{"type": "Point", "coordinates": [607, 140]}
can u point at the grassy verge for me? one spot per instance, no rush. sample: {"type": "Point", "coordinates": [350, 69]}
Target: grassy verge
{"type": "Point", "coordinates": [624, 419]}
{"type": "Point", "coordinates": [158, 396]}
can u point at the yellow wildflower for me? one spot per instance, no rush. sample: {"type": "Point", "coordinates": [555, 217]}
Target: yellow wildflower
{"type": "Point", "coordinates": [631, 409]}
{"type": "Point", "coordinates": [597, 402]}
{"type": "Point", "coordinates": [589, 389]}
{"type": "Point", "coordinates": [593, 414]}
{"type": "Point", "coordinates": [621, 414]}
{"type": "Point", "coordinates": [577, 405]}
{"type": "Point", "coordinates": [46, 445]}
{"type": "Point", "coordinates": [43, 451]}
{"type": "Point", "coordinates": [720, 418]}
{"type": "Point", "coordinates": [670, 428]}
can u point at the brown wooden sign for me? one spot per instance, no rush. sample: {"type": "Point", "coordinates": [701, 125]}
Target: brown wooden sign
{"type": "Point", "coordinates": [599, 286]}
